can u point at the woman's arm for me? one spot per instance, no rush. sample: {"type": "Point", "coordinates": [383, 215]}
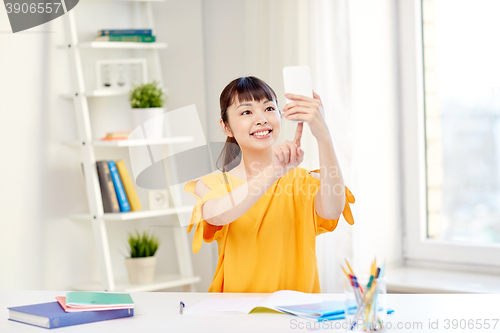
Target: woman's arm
{"type": "Point", "coordinates": [233, 205]}
{"type": "Point", "coordinates": [330, 199]}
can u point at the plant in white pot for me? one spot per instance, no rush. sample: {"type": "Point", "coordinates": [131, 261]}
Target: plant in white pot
{"type": "Point", "coordinates": [147, 101]}
{"type": "Point", "coordinates": [142, 263]}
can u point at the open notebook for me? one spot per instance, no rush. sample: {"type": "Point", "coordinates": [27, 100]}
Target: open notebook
{"type": "Point", "coordinates": [245, 305]}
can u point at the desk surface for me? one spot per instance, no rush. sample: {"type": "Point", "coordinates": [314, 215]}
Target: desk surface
{"type": "Point", "coordinates": [159, 312]}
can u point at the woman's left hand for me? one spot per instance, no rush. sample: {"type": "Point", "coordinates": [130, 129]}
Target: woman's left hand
{"type": "Point", "coordinates": [309, 110]}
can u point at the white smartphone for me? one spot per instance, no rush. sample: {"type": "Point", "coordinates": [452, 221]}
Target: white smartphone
{"type": "Point", "coordinates": [298, 81]}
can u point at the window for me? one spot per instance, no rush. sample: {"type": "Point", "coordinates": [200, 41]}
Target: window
{"type": "Point", "coordinates": [451, 130]}
{"type": "Point", "coordinates": [462, 118]}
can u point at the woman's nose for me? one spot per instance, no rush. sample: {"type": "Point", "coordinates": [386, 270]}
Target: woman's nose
{"type": "Point", "coordinates": [261, 119]}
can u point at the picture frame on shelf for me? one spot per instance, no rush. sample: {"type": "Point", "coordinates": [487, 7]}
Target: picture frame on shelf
{"type": "Point", "coordinates": [120, 74]}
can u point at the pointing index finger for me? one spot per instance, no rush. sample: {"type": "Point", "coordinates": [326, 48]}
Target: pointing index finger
{"type": "Point", "coordinates": [298, 134]}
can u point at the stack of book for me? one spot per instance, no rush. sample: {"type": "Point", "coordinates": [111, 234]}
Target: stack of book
{"type": "Point", "coordinates": [125, 35]}
{"type": "Point", "coordinates": [117, 189]}
{"type": "Point", "coordinates": [118, 135]}
{"type": "Point", "coordinates": [78, 307]}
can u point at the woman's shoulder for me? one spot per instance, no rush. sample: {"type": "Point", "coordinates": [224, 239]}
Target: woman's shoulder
{"type": "Point", "coordinates": [213, 179]}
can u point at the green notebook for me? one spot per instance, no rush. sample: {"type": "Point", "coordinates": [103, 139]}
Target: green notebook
{"type": "Point", "coordinates": [86, 298]}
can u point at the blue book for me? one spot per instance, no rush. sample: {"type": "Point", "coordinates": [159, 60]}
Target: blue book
{"type": "Point", "coordinates": [120, 190]}
{"type": "Point", "coordinates": [52, 315]}
{"type": "Point", "coordinates": [111, 32]}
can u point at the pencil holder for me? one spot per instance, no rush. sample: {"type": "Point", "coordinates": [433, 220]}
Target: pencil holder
{"type": "Point", "coordinates": [365, 304]}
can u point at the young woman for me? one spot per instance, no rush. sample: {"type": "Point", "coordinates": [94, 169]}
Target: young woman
{"type": "Point", "coordinates": [264, 211]}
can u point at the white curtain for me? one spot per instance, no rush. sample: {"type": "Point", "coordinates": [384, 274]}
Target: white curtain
{"type": "Point", "coordinates": [330, 59]}
{"type": "Point", "coordinates": [282, 33]}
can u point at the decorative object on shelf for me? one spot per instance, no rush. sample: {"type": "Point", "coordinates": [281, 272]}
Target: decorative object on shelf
{"type": "Point", "coordinates": [142, 263]}
{"type": "Point", "coordinates": [147, 102]}
{"type": "Point", "coordinates": [158, 199]}
{"type": "Point", "coordinates": [120, 74]}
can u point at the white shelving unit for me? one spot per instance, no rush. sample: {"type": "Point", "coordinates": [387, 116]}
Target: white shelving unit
{"type": "Point", "coordinates": [87, 144]}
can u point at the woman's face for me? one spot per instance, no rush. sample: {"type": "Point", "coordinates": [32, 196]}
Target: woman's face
{"type": "Point", "coordinates": [254, 124]}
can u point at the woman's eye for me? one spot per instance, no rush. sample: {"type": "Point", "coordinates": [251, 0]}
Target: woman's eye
{"type": "Point", "coordinates": [272, 109]}
{"type": "Point", "coordinates": [245, 111]}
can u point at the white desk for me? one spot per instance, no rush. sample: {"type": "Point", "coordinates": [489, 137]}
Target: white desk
{"type": "Point", "coordinates": [159, 312]}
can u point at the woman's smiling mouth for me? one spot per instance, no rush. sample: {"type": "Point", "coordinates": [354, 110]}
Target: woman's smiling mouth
{"type": "Point", "coordinates": [262, 134]}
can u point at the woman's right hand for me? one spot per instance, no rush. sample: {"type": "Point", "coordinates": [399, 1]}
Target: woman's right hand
{"type": "Point", "coordinates": [288, 155]}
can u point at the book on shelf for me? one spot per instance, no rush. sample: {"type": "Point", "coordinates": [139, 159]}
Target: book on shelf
{"type": "Point", "coordinates": [111, 32]}
{"type": "Point", "coordinates": [126, 38]}
{"type": "Point", "coordinates": [108, 192]}
{"type": "Point", "coordinates": [52, 315]}
{"type": "Point", "coordinates": [120, 190]}
{"type": "Point", "coordinates": [128, 185]}
{"type": "Point", "coordinates": [117, 135]}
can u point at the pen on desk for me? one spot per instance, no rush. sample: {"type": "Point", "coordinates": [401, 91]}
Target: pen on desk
{"type": "Point", "coordinates": [181, 307]}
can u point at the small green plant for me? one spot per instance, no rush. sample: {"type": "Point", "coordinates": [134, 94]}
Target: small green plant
{"type": "Point", "coordinates": [142, 245]}
{"type": "Point", "coordinates": [148, 95]}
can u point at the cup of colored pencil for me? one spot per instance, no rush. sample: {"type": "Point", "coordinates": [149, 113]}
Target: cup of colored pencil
{"type": "Point", "coordinates": [365, 298]}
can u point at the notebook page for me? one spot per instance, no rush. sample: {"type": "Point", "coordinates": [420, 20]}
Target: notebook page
{"type": "Point", "coordinates": [240, 305]}
{"type": "Point", "coordinates": [289, 297]}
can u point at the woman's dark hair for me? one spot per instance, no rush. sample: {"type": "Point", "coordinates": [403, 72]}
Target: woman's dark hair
{"type": "Point", "coordinates": [243, 89]}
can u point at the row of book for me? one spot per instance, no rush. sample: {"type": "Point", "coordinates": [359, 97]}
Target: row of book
{"type": "Point", "coordinates": [117, 189]}
{"type": "Point", "coordinates": [77, 307]}
{"type": "Point", "coordinates": [125, 35]}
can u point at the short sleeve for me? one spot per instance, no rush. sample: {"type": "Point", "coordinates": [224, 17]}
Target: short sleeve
{"type": "Point", "coordinates": [325, 225]}
{"type": "Point", "coordinates": [205, 231]}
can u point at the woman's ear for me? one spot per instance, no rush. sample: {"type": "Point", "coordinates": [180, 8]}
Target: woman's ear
{"type": "Point", "coordinates": [225, 128]}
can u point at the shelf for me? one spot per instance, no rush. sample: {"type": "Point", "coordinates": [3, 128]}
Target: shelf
{"type": "Point", "coordinates": [135, 215]}
{"type": "Point", "coordinates": [101, 93]}
{"type": "Point", "coordinates": [134, 143]}
{"type": "Point", "coordinates": [118, 45]}
{"type": "Point", "coordinates": [160, 282]}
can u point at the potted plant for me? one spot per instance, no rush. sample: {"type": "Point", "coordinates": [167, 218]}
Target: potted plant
{"type": "Point", "coordinates": [141, 264]}
{"type": "Point", "coordinates": [147, 102]}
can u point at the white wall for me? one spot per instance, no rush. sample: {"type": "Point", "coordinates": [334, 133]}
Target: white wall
{"type": "Point", "coordinates": [23, 136]}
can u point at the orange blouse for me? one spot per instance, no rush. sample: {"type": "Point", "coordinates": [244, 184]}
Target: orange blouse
{"type": "Point", "coordinates": [273, 245]}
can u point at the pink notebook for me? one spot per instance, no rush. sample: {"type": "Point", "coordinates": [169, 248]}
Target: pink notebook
{"type": "Point", "coordinates": [62, 302]}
